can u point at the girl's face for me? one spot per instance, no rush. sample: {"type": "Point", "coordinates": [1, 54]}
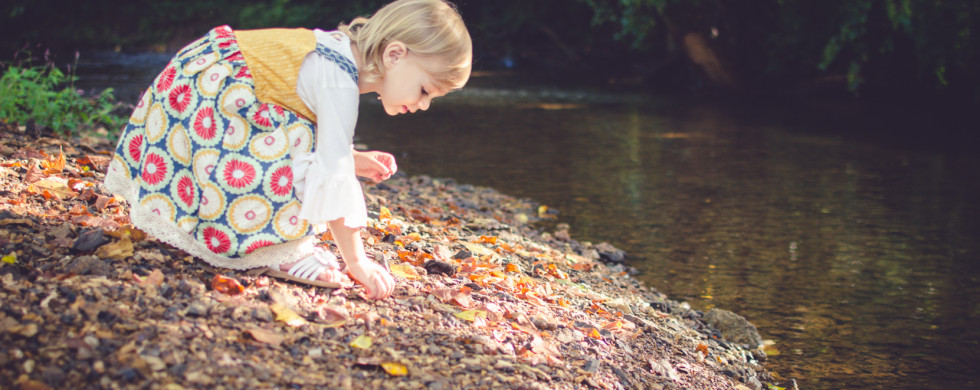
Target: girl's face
{"type": "Point", "coordinates": [407, 87]}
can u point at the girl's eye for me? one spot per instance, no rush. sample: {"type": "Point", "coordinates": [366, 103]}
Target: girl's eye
{"type": "Point", "coordinates": [424, 92]}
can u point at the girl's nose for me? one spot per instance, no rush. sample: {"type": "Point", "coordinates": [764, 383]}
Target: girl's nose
{"type": "Point", "coordinates": [424, 103]}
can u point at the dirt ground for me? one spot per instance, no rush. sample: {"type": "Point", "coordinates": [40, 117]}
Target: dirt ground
{"type": "Point", "coordinates": [484, 299]}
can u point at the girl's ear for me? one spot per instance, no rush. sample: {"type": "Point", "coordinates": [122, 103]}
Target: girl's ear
{"type": "Point", "coordinates": [394, 52]}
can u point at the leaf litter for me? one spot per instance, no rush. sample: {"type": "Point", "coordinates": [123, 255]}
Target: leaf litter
{"type": "Point", "coordinates": [485, 299]}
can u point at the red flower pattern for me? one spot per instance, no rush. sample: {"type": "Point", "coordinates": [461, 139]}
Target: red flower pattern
{"type": "Point", "coordinates": [256, 245]}
{"type": "Point", "coordinates": [216, 240]}
{"type": "Point", "coordinates": [243, 73]}
{"type": "Point", "coordinates": [204, 124]}
{"type": "Point", "coordinates": [261, 117]}
{"type": "Point", "coordinates": [135, 145]}
{"type": "Point", "coordinates": [282, 181]}
{"type": "Point", "coordinates": [166, 78]}
{"type": "Point", "coordinates": [154, 169]}
{"type": "Point", "coordinates": [239, 174]}
{"type": "Point", "coordinates": [223, 32]}
{"type": "Point", "coordinates": [185, 189]}
{"type": "Point", "coordinates": [180, 98]}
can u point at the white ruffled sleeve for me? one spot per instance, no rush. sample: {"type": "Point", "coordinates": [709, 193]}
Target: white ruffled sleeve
{"type": "Point", "coordinates": [324, 180]}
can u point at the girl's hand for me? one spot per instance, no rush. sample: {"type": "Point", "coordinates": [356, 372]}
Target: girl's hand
{"type": "Point", "coordinates": [374, 165]}
{"type": "Point", "coordinates": [376, 280]}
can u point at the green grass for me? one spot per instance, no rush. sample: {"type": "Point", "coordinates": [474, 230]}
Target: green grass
{"type": "Point", "coordinates": [46, 95]}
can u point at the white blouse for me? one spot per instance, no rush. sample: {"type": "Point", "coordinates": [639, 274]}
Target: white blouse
{"type": "Point", "coordinates": [324, 180]}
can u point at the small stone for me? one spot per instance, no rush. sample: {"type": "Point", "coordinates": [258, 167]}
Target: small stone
{"type": "Point", "coordinates": [155, 363]}
{"type": "Point", "coordinates": [262, 314]}
{"type": "Point", "coordinates": [197, 309]}
{"type": "Point", "coordinates": [610, 254]}
{"type": "Point", "coordinates": [98, 366]}
{"type": "Point", "coordinates": [89, 265]}
{"type": "Point", "coordinates": [88, 240]}
{"type": "Point", "coordinates": [591, 366]}
{"type": "Point", "coordinates": [434, 349]}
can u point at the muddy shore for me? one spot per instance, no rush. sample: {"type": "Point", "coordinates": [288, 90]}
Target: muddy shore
{"type": "Point", "coordinates": [484, 299]}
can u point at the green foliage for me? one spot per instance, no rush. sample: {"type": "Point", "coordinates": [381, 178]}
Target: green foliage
{"type": "Point", "coordinates": [883, 42]}
{"type": "Point", "coordinates": [46, 95]}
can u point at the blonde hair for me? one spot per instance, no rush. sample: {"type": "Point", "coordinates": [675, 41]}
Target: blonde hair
{"type": "Point", "coordinates": [429, 28]}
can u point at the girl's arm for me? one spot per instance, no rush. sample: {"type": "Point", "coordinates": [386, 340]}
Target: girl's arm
{"type": "Point", "coordinates": [376, 280]}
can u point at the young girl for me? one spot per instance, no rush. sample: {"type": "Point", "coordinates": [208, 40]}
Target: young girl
{"type": "Point", "coordinates": [244, 141]}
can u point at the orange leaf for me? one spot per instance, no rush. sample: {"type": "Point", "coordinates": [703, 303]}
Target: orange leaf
{"type": "Point", "coordinates": [703, 349]}
{"type": "Point", "coordinates": [385, 214]}
{"type": "Point", "coordinates": [155, 278]}
{"type": "Point", "coordinates": [613, 325]}
{"type": "Point", "coordinates": [511, 267]}
{"type": "Point", "coordinates": [226, 285]}
{"type": "Point", "coordinates": [54, 164]}
{"type": "Point", "coordinates": [582, 266]}
{"type": "Point", "coordinates": [595, 334]}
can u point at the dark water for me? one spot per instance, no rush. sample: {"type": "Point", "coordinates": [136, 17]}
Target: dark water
{"type": "Point", "coordinates": [851, 246]}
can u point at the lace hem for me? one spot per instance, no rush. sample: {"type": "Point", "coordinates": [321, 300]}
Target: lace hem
{"type": "Point", "coordinates": [168, 232]}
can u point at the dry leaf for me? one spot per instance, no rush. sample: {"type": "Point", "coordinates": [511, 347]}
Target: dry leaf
{"type": "Point", "coordinates": [395, 369]}
{"type": "Point", "coordinates": [265, 336]}
{"type": "Point", "coordinates": [404, 270]}
{"type": "Point", "coordinates": [287, 315]}
{"type": "Point", "coordinates": [226, 285]}
{"type": "Point", "coordinates": [54, 164]}
{"type": "Point", "coordinates": [703, 349]}
{"type": "Point", "coordinates": [33, 174]}
{"type": "Point", "coordinates": [362, 342]}
{"type": "Point", "coordinates": [51, 186]}
{"type": "Point", "coordinates": [119, 250]}
{"type": "Point", "coordinates": [155, 278]}
{"type": "Point", "coordinates": [471, 315]}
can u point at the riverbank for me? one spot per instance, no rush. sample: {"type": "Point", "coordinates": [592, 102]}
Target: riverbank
{"type": "Point", "coordinates": [484, 299]}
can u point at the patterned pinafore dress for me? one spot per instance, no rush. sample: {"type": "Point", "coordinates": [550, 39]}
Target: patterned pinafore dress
{"type": "Point", "coordinates": [206, 166]}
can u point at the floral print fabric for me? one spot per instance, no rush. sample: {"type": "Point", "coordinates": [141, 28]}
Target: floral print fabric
{"type": "Point", "coordinates": [205, 154]}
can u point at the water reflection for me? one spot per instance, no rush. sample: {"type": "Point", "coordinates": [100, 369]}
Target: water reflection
{"type": "Point", "coordinates": [858, 260]}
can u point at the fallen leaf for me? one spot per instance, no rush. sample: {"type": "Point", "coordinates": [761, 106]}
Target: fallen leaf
{"type": "Point", "coordinates": [119, 250]}
{"type": "Point", "coordinates": [52, 187]}
{"type": "Point", "coordinates": [332, 314]}
{"type": "Point", "coordinates": [595, 334]}
{"type": "Point", "coordinates": [471, 315]}
{"type": "Point", "coordinates": [33, 174]}
{"type": "Point", "coordinates": [226, 285]}
{"type": "Point", "coordinates": [265, 336]}
{"type": "Point", "coordinates": [54, 164]}
{"type": "Point", "coordinates": [287, 315]}
{"type": "Point", "coordinates": [404, 270]}
{"type": "Point", "coordinates": [10, 259]}
{"type": "Point", "coordinates": [362, 342]}
{"type": "Point", "coordinates": [155, 278]}
{"type": "Point", "coordinates": [395, 369]}
{"type": "Point", "coordinates": [703, 349]}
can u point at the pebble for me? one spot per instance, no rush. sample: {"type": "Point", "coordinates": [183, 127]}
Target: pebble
{"type": "Point", "coordinates": [197, 309]}
{"type": "Point", "coordinates": [591, 366]}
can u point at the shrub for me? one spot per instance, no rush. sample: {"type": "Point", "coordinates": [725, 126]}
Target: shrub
{"type": "Point", "coordinates": [46, 95]}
